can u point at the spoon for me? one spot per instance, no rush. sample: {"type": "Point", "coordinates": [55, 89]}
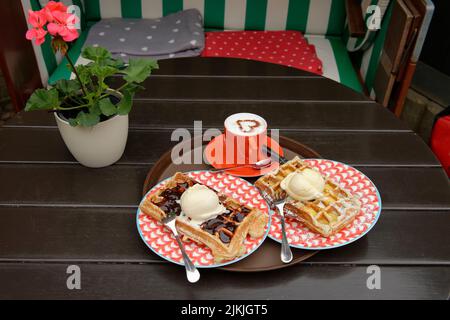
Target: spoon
{"type": "Point", "coordinates": [261, 164]}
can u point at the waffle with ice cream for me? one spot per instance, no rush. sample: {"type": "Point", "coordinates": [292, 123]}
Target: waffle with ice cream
{"type": "Point", "coordinates": [311, 198]}
{"type": "Point", "coordinates": [206, 217]}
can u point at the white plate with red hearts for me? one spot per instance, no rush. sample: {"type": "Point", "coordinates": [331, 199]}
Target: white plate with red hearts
{"type": "Point", "coordinates": [351, 179]}
{"type": "Point", "coordinates": [161, 241]}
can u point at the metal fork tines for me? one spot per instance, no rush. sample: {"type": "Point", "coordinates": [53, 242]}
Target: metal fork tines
{"type": "Point", "coordinates": [277, 206]}
{"type": "Point", "coordinates": [191, 271]}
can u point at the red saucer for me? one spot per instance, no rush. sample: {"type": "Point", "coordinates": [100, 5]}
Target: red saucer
{"type": "Point", "coordinates": [210, 153]}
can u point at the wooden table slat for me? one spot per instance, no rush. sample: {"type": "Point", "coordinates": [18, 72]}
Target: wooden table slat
{"type": "Point", "coordinates": [366, 116]}
{"type": "Point", "coordinates": [110, 234]}
{"type": "Point", "coordinates": [245, 89]}
{"type": "Point", "coordinates": [74, 185]}
{"type": "Point", "coordinates": [218, 67]}
{"type": "Point", "coordinates": [365, 148]}
{"type": "Point", "coordinates": [141, 281]}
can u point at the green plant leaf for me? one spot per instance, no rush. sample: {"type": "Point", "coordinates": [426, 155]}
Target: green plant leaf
{"type": "Point", "coordinates": [87, 119]}
{"type": "Point", "coordinates": [132, 87]}
{"type": "Point", "coordinates": [116, 63]}
{"type": "Point", "coordinates": [67, 87]}
{"type": "Point", "coordinates": [43, 99]}
{"type": "Point", "coordinates": [96, 54]}
{"type": "Point", "coordinates": [83, 72]}
{"type": "Point", "coordinates": [103, 71]}
{"type": "Point", "coordinates": [107, 107]}
{"type": "Point", "coordinates": [125, 104]}
{"type": "Point", "coordinates": [94, 108]}
{"type": "Point", "coordinates": [139, 69]}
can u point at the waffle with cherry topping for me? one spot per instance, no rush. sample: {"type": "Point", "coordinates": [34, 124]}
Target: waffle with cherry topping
{"type": "Point", "coordinates": [224, 234]}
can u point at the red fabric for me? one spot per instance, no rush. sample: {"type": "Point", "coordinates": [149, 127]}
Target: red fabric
{"type": "Point", "coordinates": [288, 48]}
{"type": "Point", "coordinates": [440, 142]}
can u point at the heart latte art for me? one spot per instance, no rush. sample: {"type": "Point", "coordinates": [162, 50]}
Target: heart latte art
{"type": "Point", "coordinates": [245, 124]}
{"type": "Point", "coordinates": [248, 126]}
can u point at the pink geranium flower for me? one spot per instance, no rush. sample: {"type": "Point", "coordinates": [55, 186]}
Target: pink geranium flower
{"type": "Point", "coordinates": [63, 25]}
{"type": "Point", "coordinates": [53, 7]}
{"type": "Point", "coordinates": [60, 24]}
{"type": "Point", "coordinates": [37, 19]}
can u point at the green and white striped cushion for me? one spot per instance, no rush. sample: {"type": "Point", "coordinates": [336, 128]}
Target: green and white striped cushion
{"type": "Point", "coordinates": [323, 17]}
{"type": "Point", "coordinates": [336, 63]}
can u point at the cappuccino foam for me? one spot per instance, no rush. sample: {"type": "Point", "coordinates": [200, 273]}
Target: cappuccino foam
{"type": "Point", "coordinates": [245, 124]}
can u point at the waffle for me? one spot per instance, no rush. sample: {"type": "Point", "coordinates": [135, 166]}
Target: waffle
{"type": "Point", "coordinates": [224, 235]}
{"type": "Point", "coordinates": [333, 210]}
{"type": "Point", "coordinates": [271, 182]}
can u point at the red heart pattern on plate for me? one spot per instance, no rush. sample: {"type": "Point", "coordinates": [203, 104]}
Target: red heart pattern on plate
{"type": "Point", "coordinates": [349, 178]}
{"type": "Point", "coordinates": [162, 242]}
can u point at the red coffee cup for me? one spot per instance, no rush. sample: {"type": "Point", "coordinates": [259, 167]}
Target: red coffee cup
{"type": "Point", "coordinates": [245, 134]}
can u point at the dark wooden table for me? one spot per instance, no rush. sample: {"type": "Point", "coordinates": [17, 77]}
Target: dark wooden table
{"type": "Point", "coordinates": [55, 212]}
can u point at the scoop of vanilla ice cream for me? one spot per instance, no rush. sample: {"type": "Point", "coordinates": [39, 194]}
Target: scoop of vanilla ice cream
{"type": "Point", "coordinates": [200, 204]}
{"type": "Point", "coordinates": [305, 185]}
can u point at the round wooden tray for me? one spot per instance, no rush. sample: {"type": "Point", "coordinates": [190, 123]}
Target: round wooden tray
{"type": "Point", "coordinates": [267, 257]}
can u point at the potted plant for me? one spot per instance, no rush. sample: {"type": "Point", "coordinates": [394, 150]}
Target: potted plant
{"type": "Point", "coordinates": [91, 116]}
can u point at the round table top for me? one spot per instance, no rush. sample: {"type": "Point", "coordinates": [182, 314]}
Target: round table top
{"type": "Point", "coordinates": [54, 210]}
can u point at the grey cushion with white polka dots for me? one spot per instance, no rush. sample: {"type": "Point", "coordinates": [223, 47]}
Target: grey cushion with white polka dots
{"type": "Point", "coordinates": [176, 35]}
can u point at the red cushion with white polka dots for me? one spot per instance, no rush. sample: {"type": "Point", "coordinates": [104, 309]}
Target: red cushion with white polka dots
{"type": "Point", "coordinates": [288, 48]}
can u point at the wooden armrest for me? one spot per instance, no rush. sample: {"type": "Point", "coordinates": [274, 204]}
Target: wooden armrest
{"type": "Point", "coordinates": [355, 18]}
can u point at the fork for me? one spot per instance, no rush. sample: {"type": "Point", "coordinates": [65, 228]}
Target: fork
{"type": "Point", "coordinates": [278, 206]}
{"type": "Point", "coordinates": [192, 273]}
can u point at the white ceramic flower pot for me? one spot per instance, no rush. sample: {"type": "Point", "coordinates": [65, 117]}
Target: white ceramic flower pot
{"type": "Point", "coordinates": [97, 146]}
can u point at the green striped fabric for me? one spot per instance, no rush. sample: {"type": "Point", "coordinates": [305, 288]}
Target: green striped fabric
{"type": "Point", "coordinates": [213, 13]}
{"type": "Point", "coordinates": [297, 15]}
{"type": "Point", "coordinates": [169, 6]}
{"type": "Point", "coordinates": [347, 74]}
{"type": "Point", "coordinates": [131, 9]}
{"type": "Point", "coordinates": [255, 18]}
{"type": "Point", "coordinates": [323, 17]}
{"type": "Point", "coordinates": [336, 63]}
